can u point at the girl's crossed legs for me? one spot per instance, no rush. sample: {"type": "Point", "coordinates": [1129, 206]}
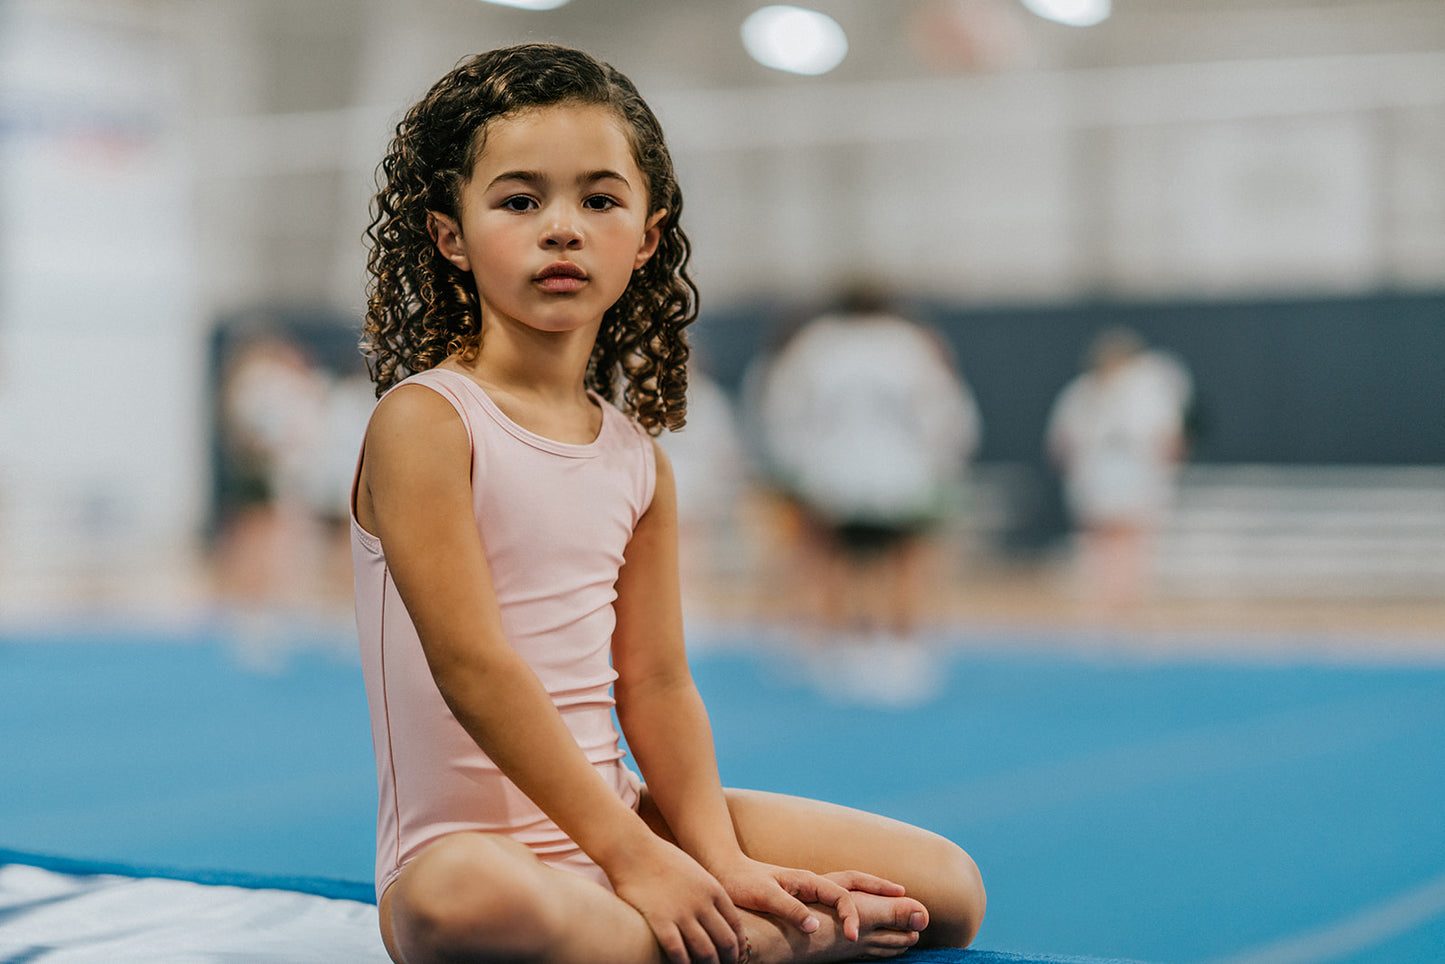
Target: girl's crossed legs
{"type": "Point", "coordinates": [483, 897]}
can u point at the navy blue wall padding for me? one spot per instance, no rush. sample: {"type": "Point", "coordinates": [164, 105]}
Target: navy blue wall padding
{"type": "Point", "coordinates": [318, 886]}
{"type": "Point", "coordinates": [1325, 380]}
{"type": "Point", "coordinates": [1350, 379]}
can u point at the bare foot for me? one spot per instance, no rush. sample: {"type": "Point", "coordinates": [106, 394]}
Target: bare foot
{"type": "Point", "coordinates": [887, 926]}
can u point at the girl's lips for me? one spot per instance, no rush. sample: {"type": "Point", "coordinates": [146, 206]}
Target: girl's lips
{"type": "Point", "coordinates": [560, 283]}
{"type": "Point", "coordinates": [561, 277]}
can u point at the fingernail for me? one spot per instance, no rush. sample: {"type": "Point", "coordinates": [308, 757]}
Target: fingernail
{"type": "Point", "coordinates": [917, 922]}
{"type": "Point", "coordinates": [810, 925]}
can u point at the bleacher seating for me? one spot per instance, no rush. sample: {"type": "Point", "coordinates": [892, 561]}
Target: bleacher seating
{"type": "Point", "coordinates": [1306, 531]}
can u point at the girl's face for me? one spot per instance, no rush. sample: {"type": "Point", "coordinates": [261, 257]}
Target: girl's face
{"type": "Point", "coordinates": [553, 220]}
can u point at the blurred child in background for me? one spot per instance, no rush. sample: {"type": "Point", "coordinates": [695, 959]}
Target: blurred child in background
{"type": "Point", "coordinates": [1116, 433]}
{"type": "Point", "coordinates": [868, 426]}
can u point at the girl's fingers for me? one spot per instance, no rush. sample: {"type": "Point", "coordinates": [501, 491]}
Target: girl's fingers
{"type": "Point", "coordinates": [857, 880]}
{"type": "Point", "coordinates": [780, 901]}
{"type": "Point", "coordinates": [811, 888]}
{"type": "Point", "coordinates": [794, 910]}
{"type": "Point", "coordinates": [824, 890]}
{"type": "Point", "coordinates": [673, 945]}
{"type": "Point", "coordinates": [723, 936]}
{"type": "Point", "coordinates": [734, 921]}
{"type": "Point", "coordinates": [848, 914]}
{"type": "Point", "coordinates": [711, 941]}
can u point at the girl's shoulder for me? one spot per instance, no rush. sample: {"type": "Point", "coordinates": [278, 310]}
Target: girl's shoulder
{"type": "Point", "coordinates": [442, 381]}
{"type": "Point", "coordinates": [421, 400]}
{"type": "Point", "coordinates": [634, 445]}
{"type": "Point", "coordinates": [613, 415]}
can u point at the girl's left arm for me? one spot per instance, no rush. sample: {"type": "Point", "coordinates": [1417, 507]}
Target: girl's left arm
{"type": "Point", "coordinates": [668, 732]}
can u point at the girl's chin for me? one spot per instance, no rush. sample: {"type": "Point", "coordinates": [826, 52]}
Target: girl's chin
{"type": "Point", "coordinates": [546, 322]}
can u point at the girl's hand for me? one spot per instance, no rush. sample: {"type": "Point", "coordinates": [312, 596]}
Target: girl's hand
{"type": "Point", "coordinates": [785, 892]}
{"type": "Point", "coordinates": [688, 910]}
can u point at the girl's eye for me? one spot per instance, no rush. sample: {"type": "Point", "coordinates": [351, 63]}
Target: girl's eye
{"type": "Point", "coordinates": [519, 202]}
{"type": "Point", "coordinates": [600, 202]}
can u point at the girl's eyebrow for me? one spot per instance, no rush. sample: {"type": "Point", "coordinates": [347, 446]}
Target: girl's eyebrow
{"type": "Point", "coordinates": [526, 177]}
{"type": "Point", "coordinates": [537, 177]}
{"type": "Point", "coordinates": [602, 175]}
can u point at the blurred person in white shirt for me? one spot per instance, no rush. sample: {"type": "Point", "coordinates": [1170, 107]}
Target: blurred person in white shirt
{"type": "Point", "coordinates": [1116, 434]}
{"type": "Point", "coordinates": [868, 426]}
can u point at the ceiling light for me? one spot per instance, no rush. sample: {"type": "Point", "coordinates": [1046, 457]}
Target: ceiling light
{"type": "Point", "coordinates": [793, 39]}
{"type": "Point", "coordinates": [529, 4]}
{"type": "Point", "coordinates": [1075, 13]}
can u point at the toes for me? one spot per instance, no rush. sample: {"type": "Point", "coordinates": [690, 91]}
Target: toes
{"type": "Point", "coordinates": [909, 915]}
{"type": "Point", "coordinates": [888, 943]}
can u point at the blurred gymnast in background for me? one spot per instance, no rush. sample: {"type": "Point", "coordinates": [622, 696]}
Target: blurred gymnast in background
{"type": "Point", "coordinates": [867, 424]}
{"type": "Point", "coordinates": [1117, 434]}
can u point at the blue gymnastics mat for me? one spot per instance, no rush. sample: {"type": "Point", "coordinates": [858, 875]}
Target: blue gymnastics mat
{"type": "Point", "coordinates": [76, 912]}
{"type": "Point", "coordinates": [1177, 810]}
{"type": "Point", "coordinates": [64, 912]}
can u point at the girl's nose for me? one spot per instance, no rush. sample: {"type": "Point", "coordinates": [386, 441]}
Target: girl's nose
{"type": "Point", "coordinates": [562, 232]}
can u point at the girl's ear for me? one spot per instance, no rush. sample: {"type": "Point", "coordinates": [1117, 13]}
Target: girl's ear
{"type": "Point", "coordinates": [447, 234]}
{"type": "Point", "coordinates": [651, 236]}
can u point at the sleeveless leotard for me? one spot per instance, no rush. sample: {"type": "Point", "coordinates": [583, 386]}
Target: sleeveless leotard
{"type": "Point", "coordinates": [555, 519]}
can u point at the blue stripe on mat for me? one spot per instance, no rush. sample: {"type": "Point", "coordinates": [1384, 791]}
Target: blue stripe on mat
{"type": "Point", "coordinates": [317, 886]}
{"type": "Point", "coordinates": [1000, 957]}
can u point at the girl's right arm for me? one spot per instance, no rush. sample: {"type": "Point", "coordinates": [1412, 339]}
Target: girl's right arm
{"type": "Point", "coordinates": [415, 496]}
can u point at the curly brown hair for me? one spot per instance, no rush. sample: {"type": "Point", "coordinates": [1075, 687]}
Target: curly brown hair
{"type": "Point", "coordinates": [421, 308]}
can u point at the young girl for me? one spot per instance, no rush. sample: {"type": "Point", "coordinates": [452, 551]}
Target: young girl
{"type": "Point", "coordinates": [515, 550]}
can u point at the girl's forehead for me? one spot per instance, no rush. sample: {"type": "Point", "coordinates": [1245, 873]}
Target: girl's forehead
{"type": "Point", "coordinates": [579, 128]}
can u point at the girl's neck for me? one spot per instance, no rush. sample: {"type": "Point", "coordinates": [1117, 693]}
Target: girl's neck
{"type": "Point", "coordinates": [538, 380]}
{"type": "Point", "coordinates": [526, 362]}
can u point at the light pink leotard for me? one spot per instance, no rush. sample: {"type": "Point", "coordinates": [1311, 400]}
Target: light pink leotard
{"type": "Point", "coordinates": [554, 519]}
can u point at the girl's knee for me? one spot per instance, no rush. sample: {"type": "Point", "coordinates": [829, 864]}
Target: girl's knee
{"type": "Point", "coordinates": [958, 901]}
{"type": "Point", "coordinates": [469, 899]}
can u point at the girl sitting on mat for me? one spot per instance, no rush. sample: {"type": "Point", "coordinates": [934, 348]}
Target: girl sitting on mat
{"type": "Point", "coordinates": [515, 546]}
